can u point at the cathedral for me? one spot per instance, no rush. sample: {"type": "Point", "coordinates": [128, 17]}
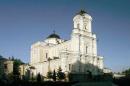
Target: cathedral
{"type": "Point", "coordinates": [77, 55]}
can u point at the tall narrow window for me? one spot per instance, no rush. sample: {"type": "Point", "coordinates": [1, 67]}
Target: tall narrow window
{"type": "Point", "coordinates": [78, 26]}
{"type": "Point", "coordinates": [86, 49]}
{"type": "Point", "coordinates": [85, 27]}
{"type": "Point", "coordinates": [46, 55]}
{"type": "Point", "coordinates": [69, 66]}
{"type": "Point", "coordinates": [5, 66]}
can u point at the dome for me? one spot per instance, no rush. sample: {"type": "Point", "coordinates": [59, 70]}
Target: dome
{"type": "Point", "coordinates": [54, 35]}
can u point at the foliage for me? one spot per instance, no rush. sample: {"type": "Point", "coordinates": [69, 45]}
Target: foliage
{"type": "Point", "coordinates": [46, 83]}
{"type": "Point", "coordinates": [89, 74]}
{"type": "Point", "coordinates": [39, 78]}
{"type": "Point", "coordinates": [16, 64]}
{"type": "Point", "coordinates": [49, 74]}
{"type": "Point", "coordinates": [10, 76]}
{"type": "Point", "coordinates": [60, 74]}
{"type": "Point", "coordinates": [126, 72]}
{"type": "Point", "coordinates": [4, 77]}
{"type": "Point", "coordinates": [54, 76]}
{"type": "Point", "coordinates": [123, 81]}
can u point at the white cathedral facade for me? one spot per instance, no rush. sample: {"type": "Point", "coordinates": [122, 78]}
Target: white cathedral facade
{"type": "Point", "coordinates": [77, 55]}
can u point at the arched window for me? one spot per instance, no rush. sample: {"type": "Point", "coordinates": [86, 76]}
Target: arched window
{"type": "Point", "coordinates": [85, 27]}
{"type": "Point", "coordinates": [86, 49]}
{"type": "Point", "coordinates": [70, 67]}
{"type": "Point", "coordinates": [78, 25]}
{"type": "Point", "coordinates": [46, 55]}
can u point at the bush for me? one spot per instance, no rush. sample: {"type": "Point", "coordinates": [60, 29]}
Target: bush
{"type": "Point", "coordinates": [54, 76]}
{"type": "Point", "coordinates": [60, 74]}
{"type": "Point", "coordinates": [49, 75]}
{"type": "Point", "coordinates": [39, 78]}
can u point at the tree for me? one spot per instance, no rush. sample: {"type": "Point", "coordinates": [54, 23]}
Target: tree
{"type": "Point", "coordinates": [49, 74]}
{"type": "Point", "coordinates": [10, 76]}
{"type": "Point", "coordinates": [16, 64]}
{"type": "Point", "coordinates": [54, 76]}
{"type": "Point", "coordinates": [39, 78]}
{"type": "Point", "coordinates": [89, 74]}
{"type": "Point", "coordinates": [126, 72]}
{"type": "Point", "coordinates": [60, 74]}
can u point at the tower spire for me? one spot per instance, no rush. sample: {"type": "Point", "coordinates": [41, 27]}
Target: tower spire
{"type": "Point", "coordinates": [54, 32]}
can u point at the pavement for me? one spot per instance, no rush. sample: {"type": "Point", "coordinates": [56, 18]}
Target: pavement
{"type": "Point", "coordinates": [94, 84]}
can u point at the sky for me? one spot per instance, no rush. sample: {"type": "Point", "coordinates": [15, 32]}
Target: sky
{"type": "Point", "coordinates": [24, 22]}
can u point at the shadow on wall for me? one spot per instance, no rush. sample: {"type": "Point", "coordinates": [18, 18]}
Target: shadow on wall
{"type": "Point", "coordinates": [80, 67]}
{"type": "Point", "coordinates": [87, 72]}
{"type": "Point", "coordinates": [78, 71]}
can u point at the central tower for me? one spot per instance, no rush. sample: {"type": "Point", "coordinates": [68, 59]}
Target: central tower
{"type": "Point", "coordinates": [84, 43]}
{"type": "Point", "coordinates": [82, 22]}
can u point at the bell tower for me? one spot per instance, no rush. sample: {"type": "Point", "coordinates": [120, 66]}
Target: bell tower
{"type": "Point", "coordinates": [83, 41]}
{"type": "Point", "coordinates": [82, 23]}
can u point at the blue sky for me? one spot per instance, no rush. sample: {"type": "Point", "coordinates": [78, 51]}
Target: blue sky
{"type": "Point", "coordinates": [24, 22]}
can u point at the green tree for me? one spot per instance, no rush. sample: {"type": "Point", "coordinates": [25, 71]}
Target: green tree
{"type": "Point", "coordinates": [54, 76]}
{"type": "Point", "coordinates": [126, 72]}
{"type": "Point", "coordinates": [10, 76]}
{"type": "Point", "coordinates": [49, 74]}
{"type": "Point", "coordinates": [60, 74]}
{"type": "Point", "coordinates": [16, 64]}
{"type": "Point", "coordinates": [39, 78]}
{"type": "Point", "coordinates": [1, 70]}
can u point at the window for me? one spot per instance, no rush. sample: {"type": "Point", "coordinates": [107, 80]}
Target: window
{"type": "Point", "coordinates": [78, 26]}
{"type": "Point", "coordinates": [56, 57]}
{"type": "Point", "coordinates": [69, 66]}
{"type": "Point", "coordinates": [86, 49]}
{"type": "Point", "coordinates": [5, 66]}
{"type": "Point", "coordinates": [85, 27]}
{"type": "Point", "coordinates": [46, 55]}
